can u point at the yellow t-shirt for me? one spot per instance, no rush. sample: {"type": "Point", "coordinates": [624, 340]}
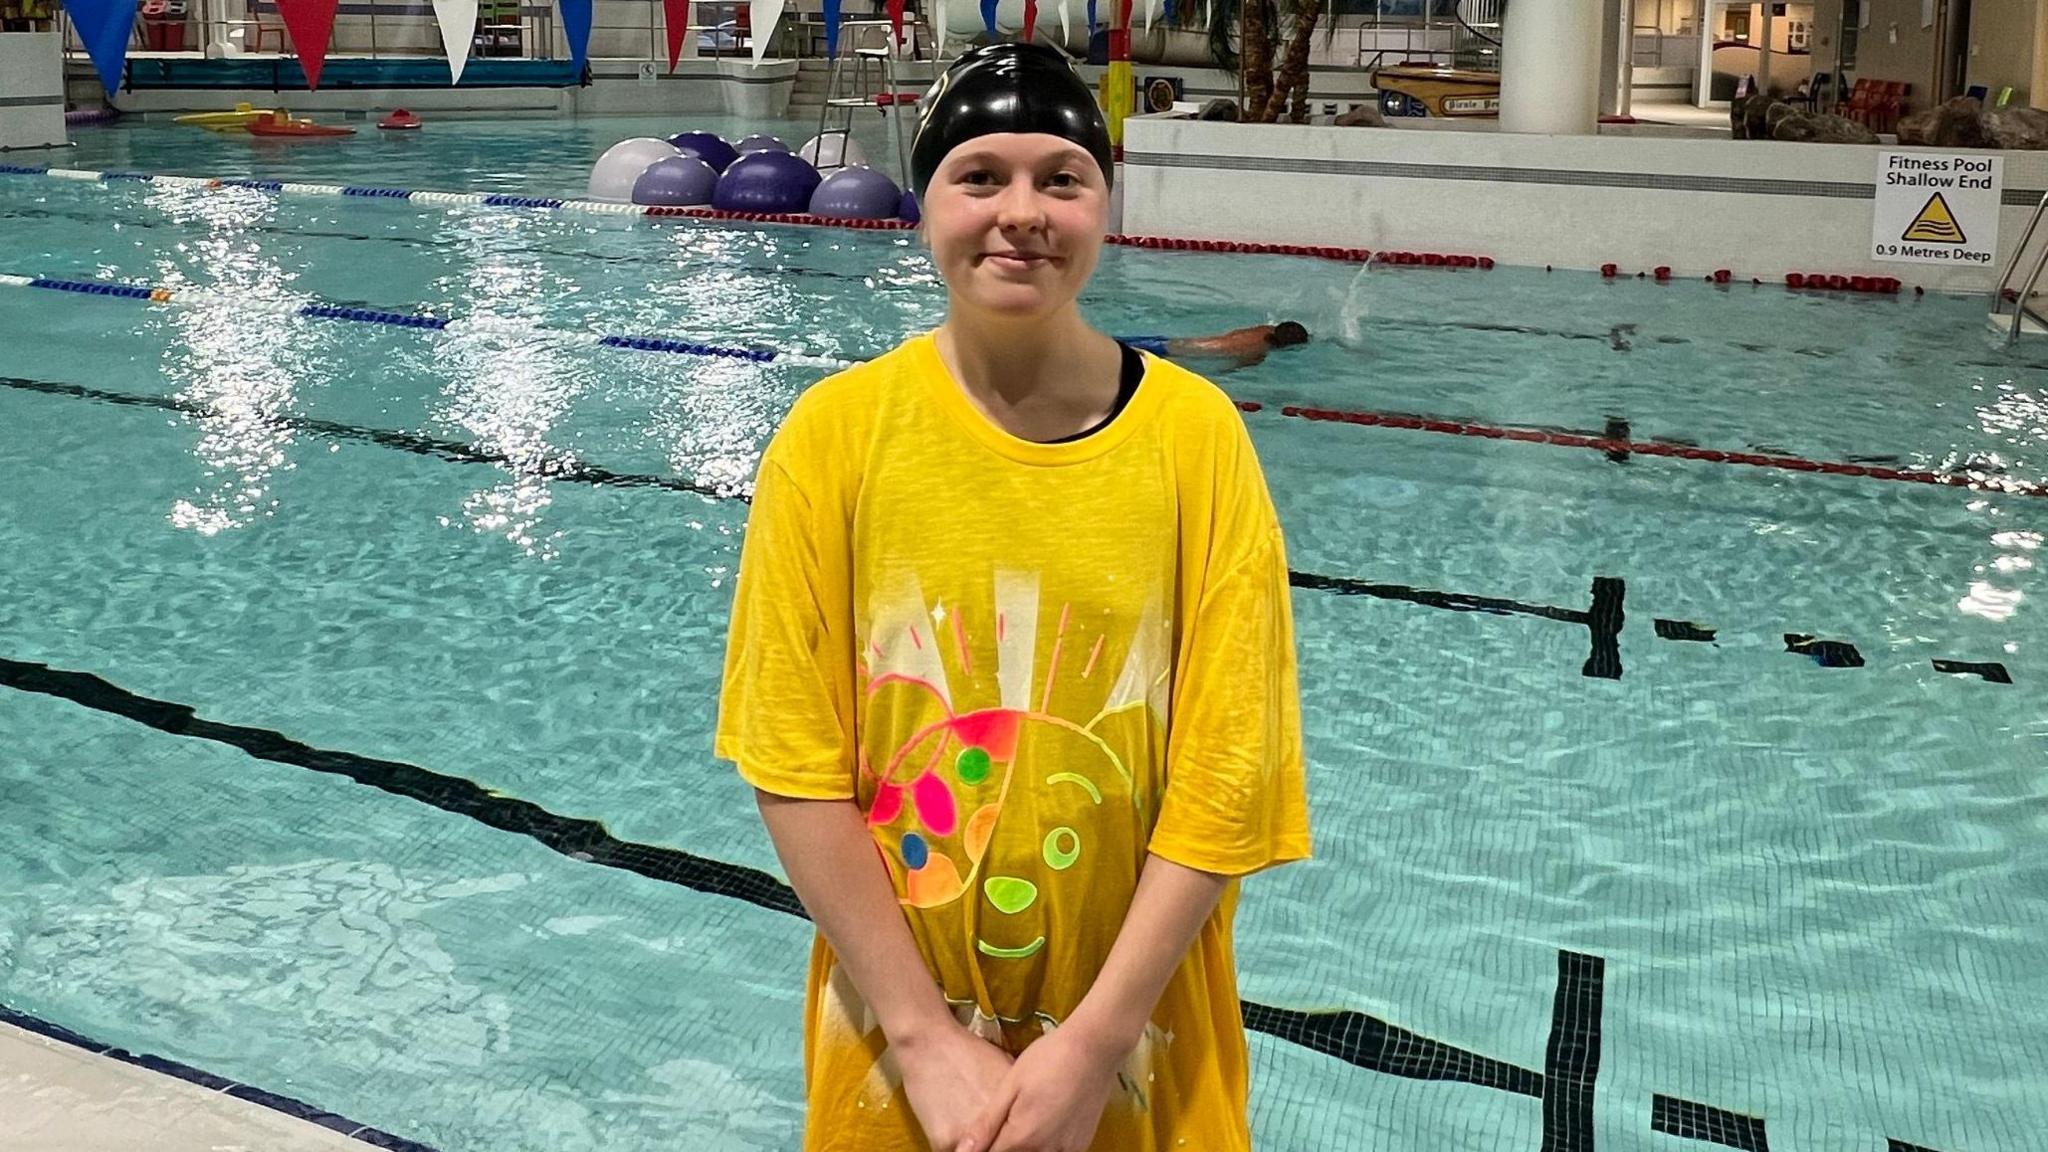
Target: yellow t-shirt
{"type": "Point", "coordinates": [1030, 665]}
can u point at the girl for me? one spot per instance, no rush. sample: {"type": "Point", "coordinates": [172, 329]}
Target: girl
{"type": "Point", "coordinates": [1011, 669]}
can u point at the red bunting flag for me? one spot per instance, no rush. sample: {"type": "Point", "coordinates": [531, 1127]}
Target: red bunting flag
{"type": "Point", "coordinates": [311, 24]}
{"type": "Point", "coordinates": [676, 15]}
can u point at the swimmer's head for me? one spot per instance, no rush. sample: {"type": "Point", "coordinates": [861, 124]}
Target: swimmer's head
{"type": "Point", "coordinates": [1006, 88]}
{"type": "Point", "coordinates": [1011, 168]}
{"type": "Point", "coordinates": [1286, 333]}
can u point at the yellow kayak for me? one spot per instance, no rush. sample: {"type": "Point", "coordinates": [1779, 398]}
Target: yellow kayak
{"type": "Point", "coordinates": [235, 121]}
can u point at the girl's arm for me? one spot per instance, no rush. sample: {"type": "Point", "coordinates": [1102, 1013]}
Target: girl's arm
{"type": "Point", "coordinates": [1170, 906]}
{"type": "Point", "coordinates": [830, 858]}
{"type": "Point", "coordinates": [1054, 1096]}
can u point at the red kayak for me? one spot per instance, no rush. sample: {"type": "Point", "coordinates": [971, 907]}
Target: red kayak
{"type": "Point", "coordinates": [281, 125]}
{"type": "Point", "coordinates": [400, 121]}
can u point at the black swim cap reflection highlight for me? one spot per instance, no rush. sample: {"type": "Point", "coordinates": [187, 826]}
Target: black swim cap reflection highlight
{"type": "Point", "coordinates": [1007, 88]}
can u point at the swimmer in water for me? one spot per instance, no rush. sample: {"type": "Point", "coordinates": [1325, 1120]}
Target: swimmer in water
{"type": "Point", "coordinates": [1237, 348]}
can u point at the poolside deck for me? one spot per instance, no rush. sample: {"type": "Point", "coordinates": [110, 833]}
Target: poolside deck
{"type": "Point", "coordinates": [62, 1098]}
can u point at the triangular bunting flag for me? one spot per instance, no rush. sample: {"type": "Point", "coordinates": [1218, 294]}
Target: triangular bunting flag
{"type": "Point", "coordinates": [576, 29]}
{"type": "Point", "coordinates": [831, 29]}
{"type": "Point", "coordinates": [1066, 30]}
{"type": "Point", "coordinates": [676, 15]}
{"type": "Point", "coordinates": [311, 25]}
{"type": "Point", "coordinates": [458, 27]}
{"type": "Point", "coordinates": [1030, 19]}
{"type": "Point", "coordinates": [895, 10]}
{"type": "Point", "coordinates": [1091, 19]}
{"type": "Point", "coordinates": [939, 28]}
{"type": "Point", "coordinates": [988, 17]}
{"type": "Point", "coordinates": [766, 13]}
{"type": "Point", "coordinates": [104, 27]}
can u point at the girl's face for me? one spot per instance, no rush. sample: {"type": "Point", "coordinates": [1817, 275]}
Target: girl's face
{"type": "Point", "coordinates": [1015, 222]}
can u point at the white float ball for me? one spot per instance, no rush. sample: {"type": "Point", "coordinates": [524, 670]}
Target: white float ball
{"type": "Point", "coordinates": [612, 177]}
{"type": "Point", "coordinates": [833, 150]}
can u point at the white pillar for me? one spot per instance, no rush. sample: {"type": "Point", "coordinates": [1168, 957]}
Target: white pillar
{"type": "Point", "coordinates": [1550, 67]}
{"type": "Point", "coordinates": [1617, 56]}
{"type": "Point", "coordinates": [1763, 68]}
{"type": "Point", "coordinates": [32, 90]}
{"type": "Point", "coordinates": [1703, 76]}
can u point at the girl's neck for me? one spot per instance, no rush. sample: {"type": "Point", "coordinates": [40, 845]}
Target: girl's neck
{"type": "Point", "coordinates": [1038, 379]}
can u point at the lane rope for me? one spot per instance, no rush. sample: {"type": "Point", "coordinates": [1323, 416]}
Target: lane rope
{"type": "Point", "coordinates": [1394, 420]}
{"type": "Point", "coordinates": [510, 201]}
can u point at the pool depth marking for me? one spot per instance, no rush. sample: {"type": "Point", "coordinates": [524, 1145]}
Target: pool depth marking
{"type": "Point", "coordinates": [1603, 620]}
{"type": "Point", "coordinates": [1617, 449]}
{"type": "Point", "coordinates": [1353, 1037]}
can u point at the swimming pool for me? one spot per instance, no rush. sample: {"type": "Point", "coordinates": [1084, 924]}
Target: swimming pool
{"type": "Point", "coordinates": [329, 647]}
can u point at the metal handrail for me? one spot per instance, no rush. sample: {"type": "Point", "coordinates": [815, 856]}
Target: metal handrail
{"type": "Point", "coordinates": [2019, 306]}
{"type": "Point", "coordinates": [2012, 265]}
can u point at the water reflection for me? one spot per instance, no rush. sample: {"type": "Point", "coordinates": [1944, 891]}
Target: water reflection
{"type": "Point", "coordinates": [233, 358]}
{"type": "Point", "coordinates": [508, 386]}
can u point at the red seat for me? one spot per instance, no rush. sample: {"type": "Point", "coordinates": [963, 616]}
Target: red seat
{"type": "Point", "coordinates": [1858, 107]}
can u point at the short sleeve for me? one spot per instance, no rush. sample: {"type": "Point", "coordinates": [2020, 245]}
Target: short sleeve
{"type": "Point", "coordinates": [785, 712]}
{"type": "Point", "coordinates": [1236, 798]}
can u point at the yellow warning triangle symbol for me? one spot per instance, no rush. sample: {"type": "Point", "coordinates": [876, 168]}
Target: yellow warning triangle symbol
{"type": "Point", "coordinates": [1935, 224]}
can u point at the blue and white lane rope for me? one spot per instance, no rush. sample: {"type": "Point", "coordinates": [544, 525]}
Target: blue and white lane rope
{"type": "Point", "coordinates": [368, 192]}
{"type": "Point", "coordinates": [420, 320]}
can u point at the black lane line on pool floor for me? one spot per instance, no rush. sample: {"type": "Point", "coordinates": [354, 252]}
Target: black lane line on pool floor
{"type": "Point", "coordinates": [418, 445]}
{"type": "Point", "coordinates": [1571, 1059]}
{"type": "Point", "coordinates": [1684, 1118]}
{"type": "Point", "coordinates": [1603, 621]}
{"type": "Point", "coordinates": [1572, 1054]}
{"type": "Point", "coordinates": [290, 1106]}
{"type": "Point", "coordinates": [1357, 1039]}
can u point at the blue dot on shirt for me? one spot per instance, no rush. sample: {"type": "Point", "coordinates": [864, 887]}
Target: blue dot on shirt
{"type": "Point", "coordinates": [915, 853]}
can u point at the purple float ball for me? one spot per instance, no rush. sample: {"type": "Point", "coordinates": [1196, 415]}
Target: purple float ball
{"type": "Point", "coordinates": [907, 210]}
{"type": "Point", "coordinates": [766, 182]}
{"type": "Point", "coordinates": [857, 193]}
{"type": "Point", "coordinates": [762, 142]}
{"type": "Point", "coordinates": [678, 181]}
{"type": "Point", "coordinates": [709, 147]}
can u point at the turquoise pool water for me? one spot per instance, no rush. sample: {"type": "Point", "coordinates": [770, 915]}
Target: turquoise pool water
{"type": "Point", "coordinates": [1791, 886]}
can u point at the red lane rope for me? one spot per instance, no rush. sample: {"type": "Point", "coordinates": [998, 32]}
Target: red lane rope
{"type": "Point", "coordinates": [1156, 243]}
{"type": "Point", "coordinates": [1659, 448]}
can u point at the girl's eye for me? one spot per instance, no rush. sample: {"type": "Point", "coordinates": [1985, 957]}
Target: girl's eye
{"type": "Point", "coordinates": [979, 178]}
{"type": "Point", "coordinates": [1065, 180]}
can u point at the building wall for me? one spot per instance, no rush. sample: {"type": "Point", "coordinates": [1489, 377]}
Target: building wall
{"type": "Point", "coordinates": [1758, 208]}
{"type": "Point", "coordinates": [2002, 37]}
{"type": "Point", "coordinates": [1896, 47]}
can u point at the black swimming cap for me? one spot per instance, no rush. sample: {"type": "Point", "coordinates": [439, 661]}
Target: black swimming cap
{"type": "Point", "coordinates": [1006, 88]}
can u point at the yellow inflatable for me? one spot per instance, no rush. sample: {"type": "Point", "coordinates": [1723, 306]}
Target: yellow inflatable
{"type": "Point", "coordinates": [235, 121]}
